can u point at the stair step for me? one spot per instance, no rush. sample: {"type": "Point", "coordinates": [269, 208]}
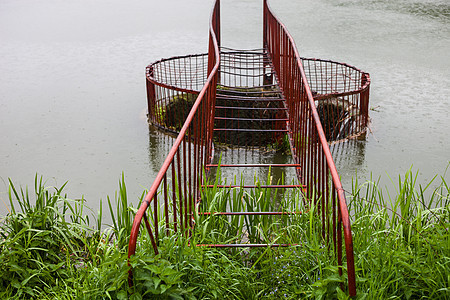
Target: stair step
{"type": "Point", "coordinates": [235, 92]}
{"type": "Point", "coordinates": [275, 186]}
{"type": "Point", "coordinates": [251, 213]}
{"type": "Point", "coordinates": [252, 165]}
{"type": "Point", "coordinates": [247, 119]}
{"type": "Point", "coordinates": [243, 98]}
{"type": "Point", "coordinates": [269, 87]}
{"type": "Point", "coordinates": [244, 245]}
{"type": "Point", "coordinates": [252, 130]}
{"type": "Point", "coordinates": [250, 108]}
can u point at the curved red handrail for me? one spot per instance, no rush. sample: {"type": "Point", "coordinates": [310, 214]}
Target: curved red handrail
{"type": "Point", "coordinates": [287, 64]}
{"type": "Point", "coordinates": [207, 93]}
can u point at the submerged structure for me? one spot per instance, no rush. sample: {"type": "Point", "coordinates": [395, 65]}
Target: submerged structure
{"type": "Point", "coordinates": [246, 99]}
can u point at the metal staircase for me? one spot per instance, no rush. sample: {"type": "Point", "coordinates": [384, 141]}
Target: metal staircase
{"type": "Point", "coordinates": [227, 104]}
{"type": "Point", "coordinates": [250, 112]}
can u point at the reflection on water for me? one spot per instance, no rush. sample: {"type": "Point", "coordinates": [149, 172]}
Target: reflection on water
{"type": "Point", "coordinates": [350, 153]}
{"type": "Point", "coordinates": [249, 174]}
{"type": "Point", "coordinates": [255, 175]}
{"type": "Point", "coordinates": [349, 157]}
{"type": "Point", "coordinates": [404, 46]}
{"type": "Point", "coordinates": [73, 89]}
{"type": "Point", "coordinates": [159, 145]}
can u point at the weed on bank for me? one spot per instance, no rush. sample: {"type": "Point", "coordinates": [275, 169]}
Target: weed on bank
{"type": "Point", "coordinates": [53, 247]}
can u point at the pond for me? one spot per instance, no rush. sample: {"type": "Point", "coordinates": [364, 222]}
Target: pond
{"type": "Point", "coordinates": [73, 102]}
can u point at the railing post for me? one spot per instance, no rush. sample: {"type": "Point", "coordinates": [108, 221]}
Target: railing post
{"type": "Point", "coordinates": [265, 24]}
{"type": "Point", "coordinates": [151, 94]}
{"type": "Point", "coordinates": [217, 24]}
{"type": "Point", "coordinates": [365, 99]}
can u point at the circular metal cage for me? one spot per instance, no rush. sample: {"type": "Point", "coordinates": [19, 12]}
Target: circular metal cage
{"type": "Point", "coordinates": [340, 91]}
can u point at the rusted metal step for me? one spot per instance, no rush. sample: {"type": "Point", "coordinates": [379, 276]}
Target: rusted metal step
{"type": "Point", "coordinates": [274, 186]}
{"type": "Point", "coordinates": [252, 165]}
{"type": "Point", "coordinates": [248, 129]}
{"type": "Point", "coordinates": [251, 213]}
{"type": "Point", "coordinates": [236, 91]}
{"type": "Point", "coordinates": [250, 108]}
{"type": "Point", "coordinates": [253, 99]}
{"type": "Point", "coordinates": [248, 119]}
{"type": "Point", "coordinates": [244, 245]}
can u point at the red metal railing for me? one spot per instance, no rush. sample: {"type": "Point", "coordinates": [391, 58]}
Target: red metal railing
{"type": "Point", "coordinates": [179, 178]}
{"type": "Point", "coordinates": [308, 141]}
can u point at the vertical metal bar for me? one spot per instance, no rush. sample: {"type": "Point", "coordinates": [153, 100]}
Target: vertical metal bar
{"type": "Point", "coordinates": [334, 218]}
{"type": "Point", "coordinates": [185, 186]}
{"type": "Point", "coordinates": [265, 24]}
{"type": "Point", "coordinates": [322, 170]}
{"type": "Point", "coordinates": [149, 230]}
{"type": "Point", "coordinates": [311, 139]}
{"type": "Point", "coordinates": [166, 204]}
{"type": "Point", "coordinates": [151, 95]}
{"type": "Point", "coordinates": [365, 99]}
{"type": "Point", "coordinates": [327, 193]}
{"type": "Point", "coordinates": [190, 177]}
{"type": "Point", "coordinates": [180, 191]}
{"type": "Point", "coordinates": [217, 17]}
{"type": "Point", "coordinates": [155, 216]}
{"type": "Point", "coordinates": [339, 239]}
{"type": "Point", "coordinates": [202, 138]}
{"type": "Point", "coordinates": [174, 198]}
{"type": "Point", "coordinates": [196, 134]}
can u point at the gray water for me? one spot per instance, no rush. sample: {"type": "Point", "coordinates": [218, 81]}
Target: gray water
{"type": "Point", "coordinates": [72, 88]}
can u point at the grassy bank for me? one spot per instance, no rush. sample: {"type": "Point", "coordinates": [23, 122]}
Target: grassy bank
{"type": "Point", "coordinates": [52, 247]}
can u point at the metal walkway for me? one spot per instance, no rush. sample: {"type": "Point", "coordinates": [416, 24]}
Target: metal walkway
{"type": "Point", "coordinates": [250, 115]}
{"type": "Point", "coordinates": [230, 106]}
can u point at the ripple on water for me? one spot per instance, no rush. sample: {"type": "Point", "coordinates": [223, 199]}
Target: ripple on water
{"type": "Point", "coordinates": [435, 9]}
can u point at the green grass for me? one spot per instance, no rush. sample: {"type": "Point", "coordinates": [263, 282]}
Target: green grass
{"type": "Point", "coordinates": [285, 229]}
{"type": "Point", "coordinates": [402, 242]}
{"type": "Point", "coordinates": [52, 247]}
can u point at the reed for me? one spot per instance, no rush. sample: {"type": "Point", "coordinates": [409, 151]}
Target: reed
{"type": "Point", "coordinates": [402, 240]}
{"type": "Point", "coordinates": [53, 247]}
{"type": "Point", "coordinates": [123, 215]}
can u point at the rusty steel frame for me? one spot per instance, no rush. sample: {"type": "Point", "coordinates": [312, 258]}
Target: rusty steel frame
{"type": "Point", "coordinates": [191, 151]}
{"type": "Point", "coordinates": [330, 82]}
{"type": "Point", "coordinates": [245, 245]}
{"type": "Point", "coordinates": [309, 145]}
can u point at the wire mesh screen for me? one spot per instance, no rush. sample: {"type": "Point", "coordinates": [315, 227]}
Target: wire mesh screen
{"type": "Point", "coordinates": [173, 85]}
{"type": "Point", "coordinates": [249, 109]}
{"type": "Point", "coordinates": [249, 105]}
{"type": "Point", "coordinates": [244, 68]}
{"type": "Point", "coordinates": [182, 72]}
{"type": "Point", "coordinates": [341, 96]}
